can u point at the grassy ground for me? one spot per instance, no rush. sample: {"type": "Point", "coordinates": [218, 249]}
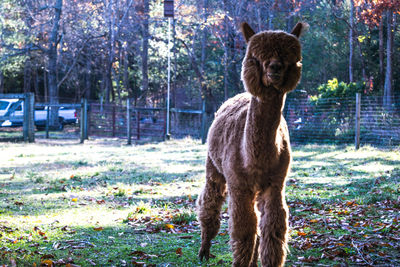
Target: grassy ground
{"type": "Point", "coordinates": [107, 204]}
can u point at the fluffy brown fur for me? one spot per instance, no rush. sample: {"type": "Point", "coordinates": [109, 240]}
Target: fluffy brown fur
{"type": "Point", "coordinates": [249, 153]}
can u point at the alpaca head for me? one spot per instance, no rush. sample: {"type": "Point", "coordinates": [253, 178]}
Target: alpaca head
{"type": "Point", "coordinates": [273, 58]}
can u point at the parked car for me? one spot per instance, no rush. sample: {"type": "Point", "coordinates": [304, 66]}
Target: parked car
{"type": "Point", "coordinates": [5, 105]}
{"type": "Point", "coordinates": [65, 115]}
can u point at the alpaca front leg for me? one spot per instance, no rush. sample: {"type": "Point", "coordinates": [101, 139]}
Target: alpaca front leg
{"type": "Point", "coordinates": [242, 227]}
{"type": "Point", "coordinates": [273, 226]}
{"type": "Point", "coordinates": [209, 207]}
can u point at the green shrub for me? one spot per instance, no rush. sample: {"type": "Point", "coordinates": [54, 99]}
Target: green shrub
{"type": "Point", "coordinates": [334, 88]}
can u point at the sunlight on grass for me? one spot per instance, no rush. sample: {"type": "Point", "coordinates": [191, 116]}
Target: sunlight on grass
{"type": "Point", "coordinates": [139, 200]}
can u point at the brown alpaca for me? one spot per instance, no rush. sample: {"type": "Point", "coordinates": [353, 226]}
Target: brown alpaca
{"type": "Point", "coordinates": [249, 153]}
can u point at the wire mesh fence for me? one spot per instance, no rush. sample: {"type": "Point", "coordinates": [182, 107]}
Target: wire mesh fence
{"type": "Point", "coordinates": [111, 120]}
{"type": "Point", "coordinates": [333, 120]}
{"type": "Point", "coordinates": [186, 123]}
{"type": "Point", "coordinates": [380, 125]}
{"type": "Point", "coordinates": [23, 119]}
{"type": "Point", "coordinates": [330, 120]}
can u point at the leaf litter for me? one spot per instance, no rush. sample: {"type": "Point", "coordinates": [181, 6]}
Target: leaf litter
{"type": "Point", "coordinates": [330, 224]}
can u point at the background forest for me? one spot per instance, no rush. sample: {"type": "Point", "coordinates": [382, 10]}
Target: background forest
{"type": "Point", "coordinates": [64, 50]}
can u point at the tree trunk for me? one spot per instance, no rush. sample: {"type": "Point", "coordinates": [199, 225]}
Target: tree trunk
{"type": "Point", "coordinates": [226, 59]}
{"type": "Point", "coordinates": [363, 65]}
{"type": "Point", "coordinates": [36, 84]}
{"type": "Point", "coordinates": [175, 62]}
{"type": "Point", "coordinates": [351, 42]}
{"type": "Point", "coordinates": [204, 40]}
{"type": "Point", "coordinates": [1, 82]}
{"type": "Point", "coordinates": [270, 19]}
{"type": "Point", "coordinates": [125, 76]}
{"type": "Point", "coordinates": [52, 65]}
{"type": "Point", "coordinates": [111, 51]}
{"type": "Point", "coordinates": [145, 47]}
{"type": "Point", "coordinates": [259, 18]}
{"type": "Point", "coordinates": [45, 87]}
{"type": "Point", "coordinates": [27, 75]}
{"type": "Point", "coordinates": [387, 94]}
{"type": "Point", "coordinates": [88, 88]}
{"type": "Point", "coordinates": [117, 75]}
{"type": "Point", "coordinates": [381, 55]}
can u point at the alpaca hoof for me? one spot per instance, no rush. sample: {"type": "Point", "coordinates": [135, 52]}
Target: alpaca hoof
{"type": "Point", "coordinates": [204, 253]}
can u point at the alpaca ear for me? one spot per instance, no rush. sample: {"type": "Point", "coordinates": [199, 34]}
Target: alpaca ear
{"type": "Point", "coordinates": [299, 29]}
{"type": "Point", "coordinates": [247, 31]}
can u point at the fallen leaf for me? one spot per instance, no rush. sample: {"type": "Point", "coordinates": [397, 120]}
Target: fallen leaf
{"type": "Point", "coordinates": [47, 256]}
{"type": "Point", "coordinates": [41, 233]}
{"type": "Point", "coordinates": [301, 234]}
{"type": "Point", "coordinates": [98, 228]}
{"type": "Point", "coordinates": [48, 263]}
{"type": "Point", "coordinates": [179, 251]}
{"type": "Point", "coordinates": [138, 264]}
{"type": "Point", "coordinates": [169, 226]}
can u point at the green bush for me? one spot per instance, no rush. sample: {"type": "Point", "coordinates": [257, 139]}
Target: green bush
{"type": "Point", "coordinates": [334, 88]}
{"type": "Point", "coordinates": [329, 115]}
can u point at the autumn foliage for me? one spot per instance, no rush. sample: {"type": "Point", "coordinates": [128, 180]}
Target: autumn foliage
{"type": "Point", "coordinates": [371, 11]}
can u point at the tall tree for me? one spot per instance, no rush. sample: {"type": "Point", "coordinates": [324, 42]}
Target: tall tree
{"type": "Point", "coordinates": [381, 54]}
{"type": "Point", "coordinates": [111, 13]}
{"type": "Point", "coordinates": [373, 12]}
{"type": "Point", "coordinates": [145, 45]}
{"type": "Point", "coordinates": [52, 60]}
{"type": "Point", "coordinates": [387, 93]}
{"type": "Point", "coordinates": [351, 39]}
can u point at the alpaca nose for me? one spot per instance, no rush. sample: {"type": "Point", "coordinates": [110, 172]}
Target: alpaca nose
{"type": "Point", "coordinates": [275, 66]}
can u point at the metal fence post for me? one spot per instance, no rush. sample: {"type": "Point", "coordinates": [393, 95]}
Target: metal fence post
{"type": "Point", "coordinates": [47, 122]}
{"type": "Point", "coordinates": [82, 122]}
{"type": "Point", "coordinates": [203, 121]}
{"type": "Point", "coordinates": [113, 120]}
{"type": "Point", "coordinates": [358, 117]}
{"type": "Point", "coordinates": [86, 124]}
{"type": "Point", "coordinates": [128, 121]}
{"type": "Point", "coordinates": [165, 137]}
{"type": "Point", "coordinates": [29, 118]}
{"type": "Point", "coordinates": [137, 124]}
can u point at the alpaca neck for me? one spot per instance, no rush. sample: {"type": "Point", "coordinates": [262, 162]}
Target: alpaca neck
{"type": "Point", "coordinates": [263, 119]}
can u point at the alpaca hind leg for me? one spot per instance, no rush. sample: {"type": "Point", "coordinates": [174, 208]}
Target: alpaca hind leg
{"type": "Point", "coordinates": [273, 226]}
{"type": "Point", "coordinates": [242, 226]}
{"type": "Point", "coordinates": [254, 262]}
{"type": "Point", "coordinates": [209, 207]}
